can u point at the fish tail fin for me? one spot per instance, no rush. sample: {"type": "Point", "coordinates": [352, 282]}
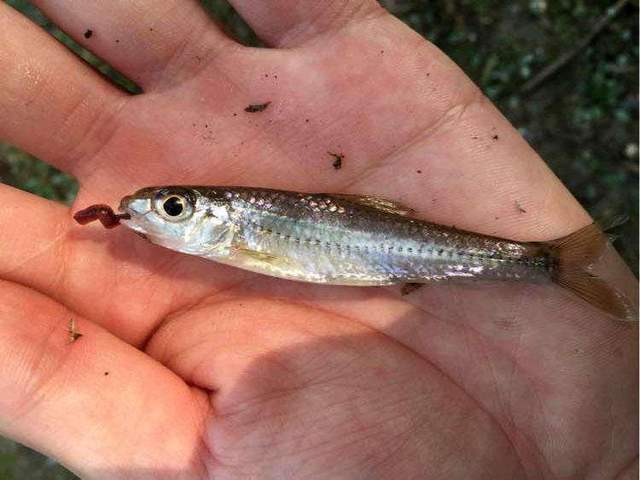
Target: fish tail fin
{"type": "Point", "coordinates": [573, 256]}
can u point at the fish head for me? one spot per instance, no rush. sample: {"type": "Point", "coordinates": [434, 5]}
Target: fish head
{"type": "Point", "coordinates": [183, 219]}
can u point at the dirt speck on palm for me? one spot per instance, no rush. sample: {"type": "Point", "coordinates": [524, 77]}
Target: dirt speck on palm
{"type": "Point", "coordinates": [337, 160]}
{"type": "Point", "coordinates": [257, 107]}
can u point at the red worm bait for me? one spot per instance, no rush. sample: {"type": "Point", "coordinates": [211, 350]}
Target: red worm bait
{"type": "Point", "coordinates": [104, 213]}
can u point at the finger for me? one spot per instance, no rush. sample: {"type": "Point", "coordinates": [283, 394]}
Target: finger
{"type": "Point", "coordinates": [101, 407]}
{"type": "Point", "coordinates": [51, 104]}
{"type": "Point", "coordinates": [150, 42]}
{"type": "Point", "coordinates": [286, 23]}
{"type": "Point", "coordinates": [76, 265]}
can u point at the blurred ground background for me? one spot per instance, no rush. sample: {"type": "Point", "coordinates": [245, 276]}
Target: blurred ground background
{"type": "Point", "coordinates": [583, 119]}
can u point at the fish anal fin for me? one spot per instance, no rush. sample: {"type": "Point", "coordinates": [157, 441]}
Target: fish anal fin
{"type": "Point", "coordinates": [383, 204]}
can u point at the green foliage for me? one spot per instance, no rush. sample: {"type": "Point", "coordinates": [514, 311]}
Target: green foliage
{"type": "Point", "coordinates": [233, 24]}
{"type": "Point", "coordinates": [18, 462]}
{"type": "Point", "coordinates": [28, 173]}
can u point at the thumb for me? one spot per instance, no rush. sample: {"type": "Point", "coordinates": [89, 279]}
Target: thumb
{"type": "Point", "coordinates": [96, 404]}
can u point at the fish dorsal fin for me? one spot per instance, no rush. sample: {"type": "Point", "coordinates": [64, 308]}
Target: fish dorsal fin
{"type": "Point", "coordinates": [388, 206]}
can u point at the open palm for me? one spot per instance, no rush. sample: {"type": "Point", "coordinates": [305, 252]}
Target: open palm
{"type": "Point", "coordinates": [189, 369]}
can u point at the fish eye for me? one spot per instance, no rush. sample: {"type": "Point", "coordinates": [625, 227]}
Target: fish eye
{"type": "Point", "coordinates": [173, 206]}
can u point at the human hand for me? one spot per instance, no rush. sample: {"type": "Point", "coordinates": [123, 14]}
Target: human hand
{"type": "Point", "coordinates": [189, 369]}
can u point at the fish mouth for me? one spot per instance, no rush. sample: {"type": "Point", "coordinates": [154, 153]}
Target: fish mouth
{"type": "Point", "coordinates": [123, 204]}
{"type": "Point", "coordinates": [134, 206]}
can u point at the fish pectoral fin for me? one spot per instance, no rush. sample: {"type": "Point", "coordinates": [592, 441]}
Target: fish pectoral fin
{"type": "Point", "coordinates": [383, 204]}
{"type": "Point", "coordinates": [265, 257]}
{"type": "Point", "coordinates": [262, 257]}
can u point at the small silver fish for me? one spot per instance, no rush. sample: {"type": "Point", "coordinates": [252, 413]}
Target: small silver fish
{"type": "Point", "coordinates": [350, 240]}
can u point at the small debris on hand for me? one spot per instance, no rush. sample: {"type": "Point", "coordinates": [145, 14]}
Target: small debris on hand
{"type": "Point", "coordinates": [258, 107]}
{"type": "Point", "coordinates": [88, 33]}
{"type": "Point", "coordinates": [519, 207]}
{"type": "Point", "coordinates": [338, 158]}
{"type": "Point", "coordinates": [73, 333]}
